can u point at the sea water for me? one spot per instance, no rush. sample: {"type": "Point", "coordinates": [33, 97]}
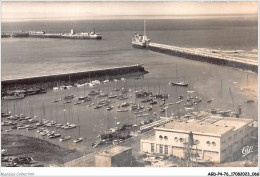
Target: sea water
{"type": "Point", "coordinates": [26, 57]}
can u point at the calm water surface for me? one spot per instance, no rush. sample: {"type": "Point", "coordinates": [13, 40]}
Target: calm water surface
{"type": "Point", "coordinates": [34, 57]}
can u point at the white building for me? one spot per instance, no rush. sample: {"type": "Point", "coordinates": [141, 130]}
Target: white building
{"type": "Point", "coordinates": [215, 139]}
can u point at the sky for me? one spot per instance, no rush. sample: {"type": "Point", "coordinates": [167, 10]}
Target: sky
{"type": "Point", "coordinates": [20, 11]}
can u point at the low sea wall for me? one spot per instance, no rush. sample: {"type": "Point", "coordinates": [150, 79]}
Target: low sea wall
{"type": "Point", "coordinates": [75, 76]}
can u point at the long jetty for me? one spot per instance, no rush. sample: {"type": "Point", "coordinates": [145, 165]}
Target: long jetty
{"type": "Point", "coordinates": [204, 57]}
{"type": "Point", "coordinates": [75, 76]}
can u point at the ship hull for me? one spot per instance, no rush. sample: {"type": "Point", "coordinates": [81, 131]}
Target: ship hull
{"type": "Point", "coordinates": [5, 35]}
{"type": "Point", "coordinates": [12, 97]}
{"type": "Point", "coordinates": [22, 34]}
{"type": "Point", "coordinates": [181, 85]}
{"type": "Point", "coordinates": [138, 46]}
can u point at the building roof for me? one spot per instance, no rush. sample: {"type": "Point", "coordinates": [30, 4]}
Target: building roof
{"type": "Point", "coordinates": [232, 122]}
{"type": "Point", "coordinates": [114, 151]}
{"type": "Point", "coordinates": [211, 126]}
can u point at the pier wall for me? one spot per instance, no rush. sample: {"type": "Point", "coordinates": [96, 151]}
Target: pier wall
{"type": "Point", "coordinates": [74, 76]}
{"type": "Point", "coordinates": [210, 58]}
{"type": "Point", "coordinates": [58, 35]}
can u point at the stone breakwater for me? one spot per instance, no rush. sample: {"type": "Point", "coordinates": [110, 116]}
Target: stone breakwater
{"type": "Point", "coordinates": [205, 57]}
{"type": "Point", "coordinates": [75, 76]}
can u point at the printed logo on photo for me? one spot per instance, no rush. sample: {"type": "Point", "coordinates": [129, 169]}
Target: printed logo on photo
{"type": "Point", "coordinates": [247, 150]}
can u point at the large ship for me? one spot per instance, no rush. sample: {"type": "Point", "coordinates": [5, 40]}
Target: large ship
{"type": "Point", "coordinates": [91, 35]}
{"type": "Point", "coordinates": [36, 33]}
{"type": "Point", "coordinates": [20, 34]}
{"type": "Point", "coordinates": [140, 41]}
{"type": "Point", "coordinates": [5, 35]}
{"type": "Point", "coordinates": [82, 35]}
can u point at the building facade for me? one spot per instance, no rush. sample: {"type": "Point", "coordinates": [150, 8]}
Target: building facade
{"type": "Point", "coordinates": [214, 139]}
{"type": "Point", "coordinates": [118, 156]}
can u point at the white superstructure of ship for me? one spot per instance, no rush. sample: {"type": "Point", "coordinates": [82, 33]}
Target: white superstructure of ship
{"type": "Point", "coordinates": [141, 41]}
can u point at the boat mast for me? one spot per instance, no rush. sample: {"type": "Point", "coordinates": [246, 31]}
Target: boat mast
{"type": "Point", "coordinates": [7, 108]}
{"type": "Point", "coordinates": [14, 108]}
{"type": "Point", "coordinates": [43, 110]}
{"type": "Point", "coordinates": [71, 114]}
{"type": "Point", "coordinates": [69, 86]}
{"type": "Point", "coordinates": [247, 80]}
{"type": "Point", "coordinates": [78, 121]}
{"type": "Point", "coordinates": [51, 113]}
{"type": "Point", "coordinates": [56, 113]}
{"type": "Point", "coordinates": [79, 126]}
{"type": "Point", "coordinates": [176, 74]}
{"type": "Point", "coordinates": [107, 123]}
{"type": "Point", "coordinates": [84, 90]}
{"type": "Point", "coordinates": [64, 113]}
{"type": "Point", "coordinates": [144, 28]}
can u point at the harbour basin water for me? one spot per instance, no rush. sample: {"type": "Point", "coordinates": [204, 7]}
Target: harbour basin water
{"type": "Point", "coordinates": [35, 57]}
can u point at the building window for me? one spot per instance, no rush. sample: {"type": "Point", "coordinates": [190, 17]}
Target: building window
{"type": "Point", "coordinates": [166, 149]}
{"type": "Point", "coordinates": [166, 137]}
{"type": "Point", "coordinates": [160, 137]}
{"type": "Point", "coordinates": [181, 139]}
{"type": "Point", "coordinates": [208, 142]}
{"type": "Point", "coordinates": [161, 149]}
{"type": "Point", "coordinates": [252, 133]}
{"type": "Point", "coordinates": [152, 147]}
{"type": "Point", "coordinates": [213, 143]}
{"type": "Point", "coordinates": [229, 138]}
{"type": "Point", "coordinates": [176, 139]}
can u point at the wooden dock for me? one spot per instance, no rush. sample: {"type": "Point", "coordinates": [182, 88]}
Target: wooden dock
{"type": "Point", "coordinates": [205, 57]}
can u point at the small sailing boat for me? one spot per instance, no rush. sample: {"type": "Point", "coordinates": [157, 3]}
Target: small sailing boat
{"type": "Point", "coordinates": [149, 108]}
{"type": "Point", "coordinates": [98, 106]}
{"type": "Point", "coordinates": [109, 108]}
{"type": "Point", "coordinates": [32, 127]}
{"type": "Point", "coordinates": [178, 102]}
{"type": "Point", "coordinates": [69, 96]}
{"type": "Point", "coordinates": [56, 135]}
{"type": "Point", "coordinates": [179, 83]}
{"type": "Point", "coordinates": [122, 110]}
{"type": "Point", "coordinates": [112, 96]}
{"type": "Point", "coordinates": [65, 138]}
{"type": "Point", "coordinates": [210, 100]}
{"type": "Point", "coordinates": [153, 102]}
{"type": "Point", "coordinates": [125, 104]}
{"type": "Point", "coordinates": [80, 138]}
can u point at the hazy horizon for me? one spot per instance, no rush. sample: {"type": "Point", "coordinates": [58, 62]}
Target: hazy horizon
{"type": "Point", "coordinates": [28, 11]}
